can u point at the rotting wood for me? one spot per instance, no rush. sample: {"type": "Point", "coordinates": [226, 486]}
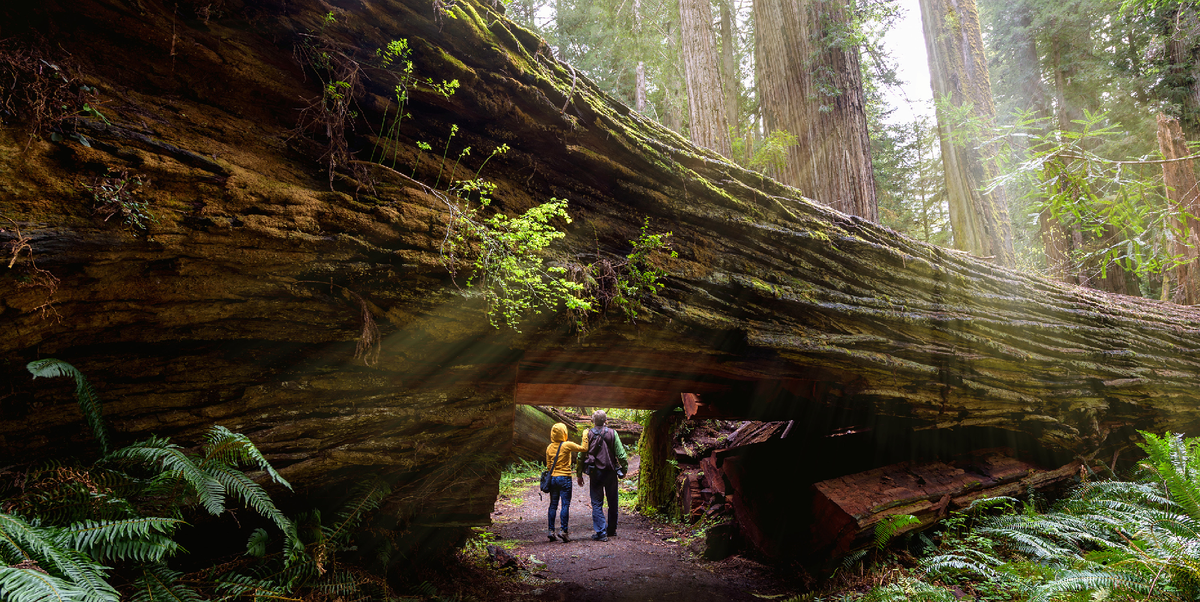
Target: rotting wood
{"type": "Point", "coordinates": [847, 509]}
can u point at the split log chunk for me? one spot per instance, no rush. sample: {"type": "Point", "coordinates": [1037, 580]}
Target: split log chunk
{"type": "Point", "coordinates": [714, 478]}
{"type": "Point", "coordinates": [846, 509]}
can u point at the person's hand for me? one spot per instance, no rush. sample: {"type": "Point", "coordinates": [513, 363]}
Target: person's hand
{"type": "Point", "coordinates": [581, 480]}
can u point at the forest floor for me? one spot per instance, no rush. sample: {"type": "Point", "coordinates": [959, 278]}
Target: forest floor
{"type": "Point", "coordinates": [650, 560]}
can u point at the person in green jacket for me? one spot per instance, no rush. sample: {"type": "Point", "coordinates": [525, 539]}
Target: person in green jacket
{"type": "Point", "coordinates": [606, 461]}
{"type": "Point", "coordinates": [560, 477]}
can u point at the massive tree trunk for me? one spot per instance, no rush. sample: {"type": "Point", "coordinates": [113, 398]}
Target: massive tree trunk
{"type": "Point", "coordinates": [1183, 59]}
{"type": "Point", "coordinates": [730, 82]}
{"type": "Point", "coordinates": [706, 102]}
{"type": "Point", "coordinates": [959, 72]}
{"type": "Point", "coordinates": [1180, 179]}
{"type": "Point", "coordinates": [240, 304]}
{"type": "Point", "coordinates": [811, 86]}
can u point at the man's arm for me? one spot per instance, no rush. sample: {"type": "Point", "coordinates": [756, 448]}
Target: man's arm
{"type": "Point", "coordinates": [580, 459]}
{"type": "Point", "coordinates": [622, 457]}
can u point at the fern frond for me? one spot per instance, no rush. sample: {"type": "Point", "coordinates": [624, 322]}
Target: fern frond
{"type": "Point", "coordinates": [234, 449]}
{"type": "Point", "coordinates": [157, 583]}
{"type": "Point", "coordinates": [1173, 458]}
{"type": "Point", "coordinates": [908, 590]}
{"type": "Point", "coordinates": [236, 586]}
{"type": "Point", "coordinates": [50, 549]}
{"type": "Point", "coordinates": [889, 526]}
{"type": "Point", "coordinates": [170, 459]}
{"type": "Point", "coordinates": [970, 561]}
{"type": "Point", "coordinates": [89, 402]}
{"type": "Point", "coordinates": [364, 498]}
{"type": "Point", "coordinates": [252, 494]}
{"type": "Point", "coordinates": [145, 539]}
{"type": "Point", "coordinates": [21, 585]}
{"type": "Point", "coordinates": [1095, 580]}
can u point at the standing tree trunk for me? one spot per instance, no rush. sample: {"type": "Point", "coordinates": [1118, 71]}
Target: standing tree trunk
{"type": "Point", "coordinates": [1180, 180]}
{"type": "Point", "coordinates": [639, 94]}
{"type": "Point", "coordinates": [1183, 55]}
{"type": "Point", "coordinates": [729, 71]}
{"type": "Point", "coordinates": [656, 476]}
{"type": "Point", "coordinates": [811, 86]}
{"type": "Point", "coordinates": [959, 73]}
{"type": "Point", "coordinates": [706, 103]}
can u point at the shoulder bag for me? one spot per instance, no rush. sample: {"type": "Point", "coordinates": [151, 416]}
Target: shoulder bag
{"type": "Point", "coordinates": [546, 474]}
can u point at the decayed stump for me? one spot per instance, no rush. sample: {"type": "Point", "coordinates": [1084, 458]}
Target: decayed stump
{"type": "Point", "coordinates": [847, 509]}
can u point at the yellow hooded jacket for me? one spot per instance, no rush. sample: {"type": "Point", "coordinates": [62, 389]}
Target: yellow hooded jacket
{"type": "Point", "coordinates": [558, 433]}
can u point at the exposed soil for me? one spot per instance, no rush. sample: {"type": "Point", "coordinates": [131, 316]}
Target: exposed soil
{"type": "Point", "coordinates": [648, 561]}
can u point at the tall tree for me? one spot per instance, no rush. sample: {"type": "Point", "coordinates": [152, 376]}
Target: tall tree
{"type": "Point", "coordinates": [706, 102]}
{"type": "Point", "coordinates": [730, 81]}
{"type": "Point", "coordinates": [811, 86]}
{"type": "Point", "coordinates": [1182, 189]}
{"type": "Point", "coordinates": [959, 72]}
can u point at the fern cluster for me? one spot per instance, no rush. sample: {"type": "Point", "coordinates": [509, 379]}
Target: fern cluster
{"type": "Point", "coordinates": [1114, 540]}
{"type": "Point", "coordinates": [106, 530]}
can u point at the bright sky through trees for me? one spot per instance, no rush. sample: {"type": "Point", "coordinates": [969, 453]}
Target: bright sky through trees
{"type": "Point", "coordinates": [906, 43]}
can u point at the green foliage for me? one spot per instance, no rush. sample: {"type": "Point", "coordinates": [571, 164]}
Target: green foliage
{"type": "Point", "coordinates": [1067, 180]}
{"type": "Point", "coordinates": [89, 402]}
{"type": "Point", "coordinates": [517, 476]}
{"type": "Point", "coordinates": [117, 194]}
{"type": "Point", "coordinates": [507, 255]}
{"type": "Point", "coordinates": [890, 526]}
{"type": "Point", "coordinates": [768, 155]}
{"type": "Point", "coordinates": [639, 278]}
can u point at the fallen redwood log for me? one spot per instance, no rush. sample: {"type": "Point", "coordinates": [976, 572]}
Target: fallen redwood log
{"type": "Point", "coordinates": [847, 509]}
{"type": "Point", "coordinates": [531, 431]}
{"type": "Point", "coordinates": [775, 308]}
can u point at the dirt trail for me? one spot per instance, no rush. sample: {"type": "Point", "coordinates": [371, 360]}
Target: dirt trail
{"type": "Point", "coordinates": [645, 563]}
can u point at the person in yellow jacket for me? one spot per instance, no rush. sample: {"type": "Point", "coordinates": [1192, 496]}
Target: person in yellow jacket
{"type": "Point", "coordinates": [560, 477]}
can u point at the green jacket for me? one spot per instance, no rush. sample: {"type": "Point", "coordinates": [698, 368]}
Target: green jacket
{"type": "Point", "coordinates": [622, 457]}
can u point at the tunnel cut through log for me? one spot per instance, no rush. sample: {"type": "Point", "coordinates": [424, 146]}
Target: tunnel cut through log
{"type": "Point", "coordinates": [811, 464]}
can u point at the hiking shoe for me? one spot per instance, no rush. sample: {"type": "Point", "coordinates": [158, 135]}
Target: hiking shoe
{"type": "Point", "coordinates": [550, 536]}
{"type": "Point", "coordinates": [563, 536]}
{"type": "Point", "coordinates": [612, 534]}
{"type": "Point", "coordinates": [600, 537]}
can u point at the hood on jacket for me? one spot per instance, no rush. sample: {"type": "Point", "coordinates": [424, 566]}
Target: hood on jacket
{"type": "Point", "coordinates": [558, 432]}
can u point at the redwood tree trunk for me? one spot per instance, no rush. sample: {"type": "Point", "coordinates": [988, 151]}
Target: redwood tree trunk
{"type": "Point", "coordinates": [811, 86]}
{"type": "Point", "coordinates": [1180, 180]}
{"type": "Point", "coordinates": [656, 476]}
{"type": "Point", "coordinates": [959, 73]}
{"type": "Point", "coordinates": [729, 70]}
{"type": "Point", "coordinates": [706, 103]}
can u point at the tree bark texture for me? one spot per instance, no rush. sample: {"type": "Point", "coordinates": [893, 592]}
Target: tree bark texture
{"type": "Point", "coordinates": [235, 306]}
{"type": "Point", "coordinates": [1179, 177]}
{"type": "Point", "coordinates": [730, 82]}
{"type": "Point", "coordinates": [657, 476]}
{"type": "Point", "coordinates": [1183, 57]}
{"type": "Point", "coordinates": [959, 73]}
{"type": "Point", "coordinates": [706, 101]}
{"type": "Point", "coordinates": [813, 89]}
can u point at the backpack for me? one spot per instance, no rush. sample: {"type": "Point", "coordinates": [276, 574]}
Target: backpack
{"type": "Point", "coordinates": [602, 451]}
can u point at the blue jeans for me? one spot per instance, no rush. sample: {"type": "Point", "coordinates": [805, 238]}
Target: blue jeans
{"type": "Point", "coordinates": [604, 483]}
{"type": "Point", "coordinates": [560, 488]}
